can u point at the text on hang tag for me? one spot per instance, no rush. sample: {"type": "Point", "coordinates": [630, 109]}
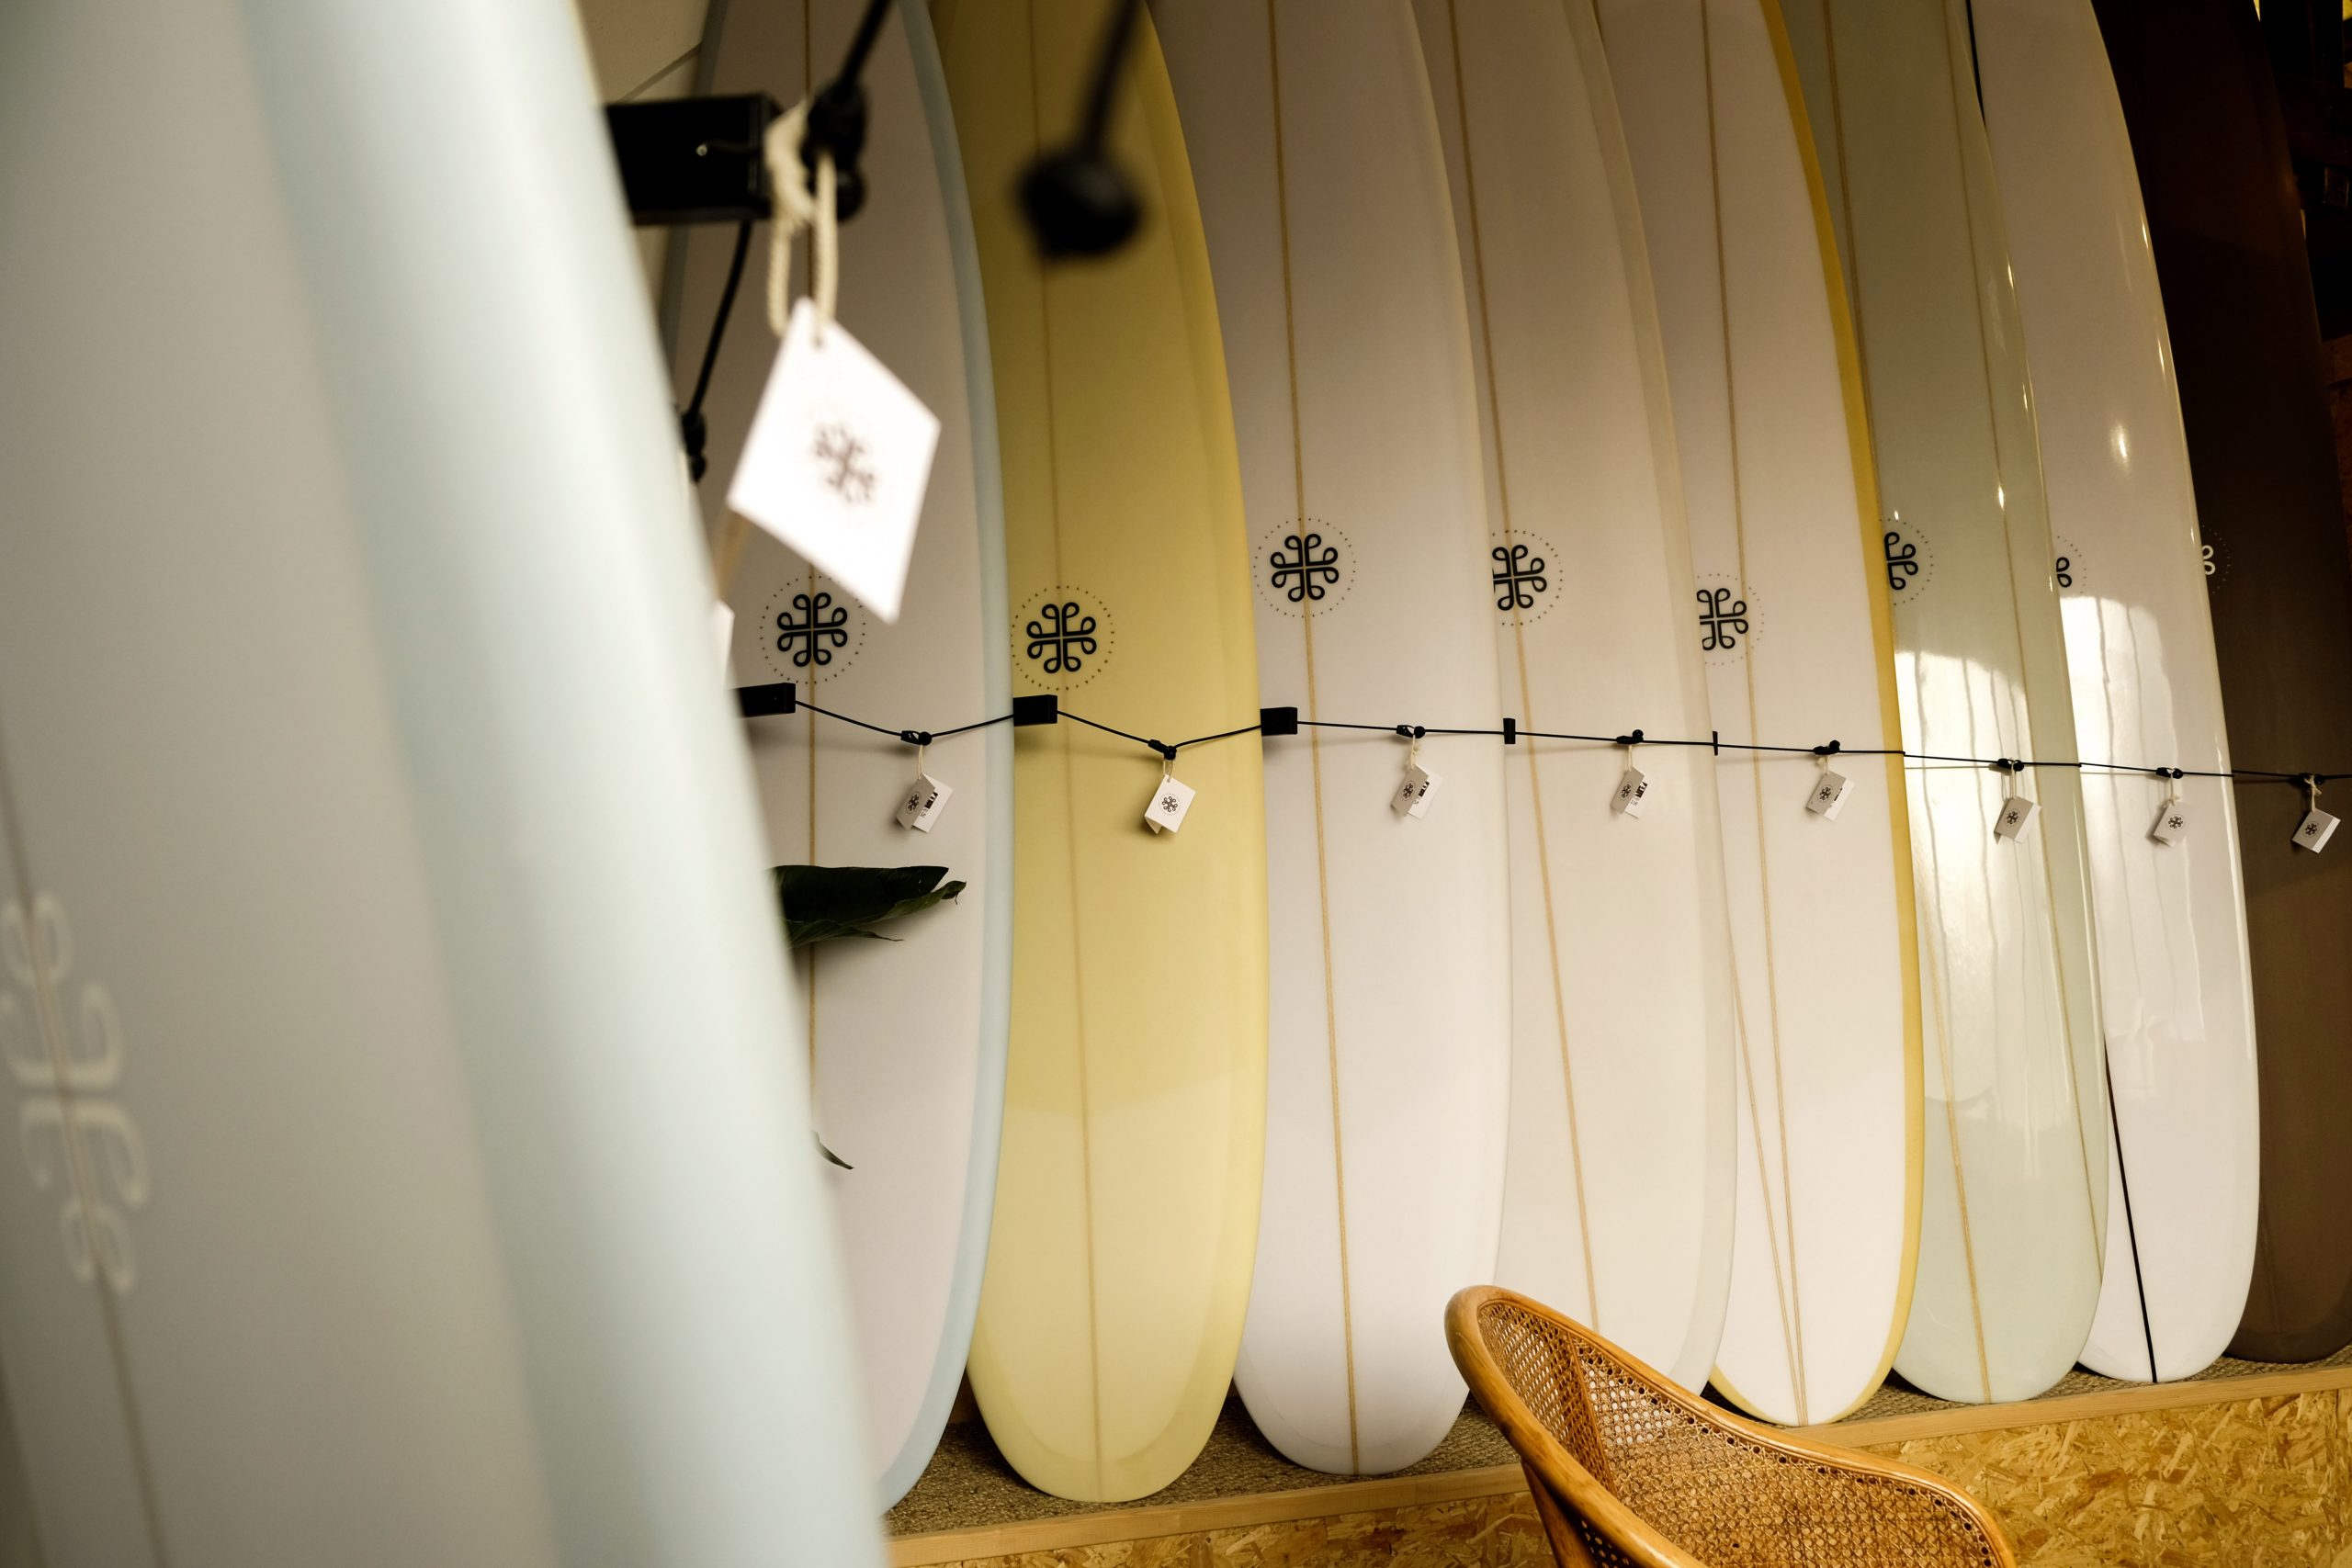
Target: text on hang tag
{"type": "Point", "coordinates": [1412, 799]}
{"type": "Point", "coordinates": [1168, 804]}
{"type": "Point", "coordinates": [1828, 796]}
{"type": "Point", "coordinates": [1632, 794]}
{"type": "Point", "coordinates": [837, 461]}
{"type": "Point", "coordinates": [924, 799]}
{"type": "Point", "coordinates": [2016, 815]}
{"type": "Point", "coordinates": [2172, 823]}
{"type": "Point", "coordinates": [2312, 832]}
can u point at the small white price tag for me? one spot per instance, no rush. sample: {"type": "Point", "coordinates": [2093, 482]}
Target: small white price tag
{"type": "Point", "coordinates": [1168, 804]}
{"type": "Point", "coordinates": [2171, 825]}
{"type": "Point", "coordinates": [1413, 794]}
{"type": "Point", "coordinates": [2016, 815]}
{"type": "Point", "coordinates": [837, 459]}
{"type": "Point", "coordinates": [1633, 794]}
{"type": "Point", "coordinates": [2313, 831]}
{"type": "Point", "coordinates": [1828, 796]}
{"type": "Point", "coordinates": [924, 799]}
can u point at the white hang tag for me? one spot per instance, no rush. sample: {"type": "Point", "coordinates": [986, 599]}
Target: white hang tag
{"type": "Point", "coordinates": [2016, 815]}
{"type": "Point", "coordinates": [924, 799]}
{"type": "Point", "coordinates": [1633, 794]}
{"type": "Point", "coordinates": [2172, 823]}
{"type": "Point", "coordinates": [1413, 794]}
{"type": "Point", "coordinates": [837, 461]}
{"type": "Point", "coordinates": [2313, 831]}
{"type": "Point", "coordinates": [1828, 796]}
{"type": "Point", "coordinates": [1168, 804]}
{"type": "Point", "coordinates": [722, 630]}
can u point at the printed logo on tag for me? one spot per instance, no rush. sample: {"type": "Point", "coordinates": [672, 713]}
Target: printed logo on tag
{"type": "Point", "coordinates": [2017, 813]}
{"type": "Point", "coordinates": [1413, 795]}
{"type": "Point", "coordinates": [1168, 804]}
{"type": "Point", "coordinates": [2313, 831]}
{"type": "Point", "coordinates": [837, 461]}
{"type": "Point", "coordinates": [923, 801]}
{"type": "Point", "coordinates": [1828, 796]}
{"type": "Point", "coordinates": [1633, 794]}
{"type": "Point", "coordinates": [2171, 825]}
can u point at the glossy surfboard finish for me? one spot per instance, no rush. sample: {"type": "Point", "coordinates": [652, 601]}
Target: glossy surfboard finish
{"type": "Point", "coordinates": [905, 1038]}
{"type": "Point", "coordinates": [2013, 1211]}
{"type": "Point", "coordinates": [2175, 993]}
{"type": "Point", "coordinates": [1793, 622]}
{"type": "Point", "coordinates": [1323, 194]}
{"type": "Point", "coordinates": [2223, 220]}
{"type": "Point", "coordinates": [1618, 1201]}
{"type": "Point", "coordinates": [404, 1168]}
{"type": "Point", "coordinates": [1126, 1210]}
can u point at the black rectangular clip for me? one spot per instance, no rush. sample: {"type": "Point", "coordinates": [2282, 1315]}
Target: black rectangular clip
{"type": "Point", "coordinates": [1045, 709]}
{"type": "Point", "coordinates": [1278, 721]}
{"type": "Point", "coordinates": [765, 702]}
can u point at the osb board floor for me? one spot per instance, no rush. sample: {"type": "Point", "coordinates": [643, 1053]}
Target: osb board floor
{"type": "Point", "coordinates": [2250, 1484]}
{"type": "Point", "coordinates": [969, 1485]}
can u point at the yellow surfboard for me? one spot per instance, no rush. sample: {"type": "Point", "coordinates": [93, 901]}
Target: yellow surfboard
{"type": "Point", "coordinates": [1126, 1207]}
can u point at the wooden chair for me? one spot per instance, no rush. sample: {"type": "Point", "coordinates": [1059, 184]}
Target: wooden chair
{"type": "Point", "coordinates": [1630, 1472]}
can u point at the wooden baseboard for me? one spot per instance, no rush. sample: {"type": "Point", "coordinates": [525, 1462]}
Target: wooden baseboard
{"type": "Point", "coordinates": [1407, 1491]}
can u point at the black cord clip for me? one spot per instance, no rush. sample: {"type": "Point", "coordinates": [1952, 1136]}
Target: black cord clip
{"type": "Point", "coordinates": [1511, 731]}
{"type": "Point", "coordinates": [1278, 721]}
{"type": "Point", "coordinates": [1163, 748]}
{"type": "Point", "coordinates": [2008, 764]}
{"type": "Point", "coordinates": [915, 737]}
{"type": "Point", "coordinates": [1633, 740]}
{"type": "Point", "coordinates": [1412, 731]}
{"type": "Point", "coordinates": [1827, 749]}
{"type": "Point", "coordinates": [1044, 709]}
{"type": "Point", "coordinates": [765, 702]}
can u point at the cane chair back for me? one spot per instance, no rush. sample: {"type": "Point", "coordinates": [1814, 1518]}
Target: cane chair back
{"type": "Point", "coordinates": [1629, 1471]}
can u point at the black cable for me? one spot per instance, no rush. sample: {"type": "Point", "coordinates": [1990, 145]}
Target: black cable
{"type": "Point", "coordinates": [1635, 737]}
{"type": "Point", "coordinates": [692, 427]}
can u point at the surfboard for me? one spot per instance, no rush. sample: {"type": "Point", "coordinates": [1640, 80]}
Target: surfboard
{"type": "Point", "coordinates": [1126, 1209]}
{"type": "Point", "coordinates": [393, 997]}
{"type": "Point", "coordinates": [2013, 1212]}
{"type": "Point", "coordinates": [2175, 993]}
{"type": "Point", "coordinates": [1618, 1199]}
{"type": "Point", "coordinates": [2196, 89]}
{"type": "Point", "coordinates": [1323, 193]}
{"type": "Point", "coordinates": [1793, 626]}
{"type": "Point", "coordinates": [906, 1037]}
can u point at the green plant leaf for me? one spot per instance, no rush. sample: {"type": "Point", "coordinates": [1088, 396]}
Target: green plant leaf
{"type": "Point", "coordinates": [826, 903]}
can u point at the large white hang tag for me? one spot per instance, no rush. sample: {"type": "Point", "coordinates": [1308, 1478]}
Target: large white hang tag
{"type": "Point", "coordinates": [837, 461]}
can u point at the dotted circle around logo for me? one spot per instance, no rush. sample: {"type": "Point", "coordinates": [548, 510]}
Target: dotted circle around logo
{"type": "Point", "coordinates": [1726, 618]}
{"type": "Point", "coordinates": [1522, 577]}
{"type": "Point", "coordinates": [1304, 567]}
{"type": "Point", "coordinates": [811, 629]}
{"type": "Point", "coordinates": [1062, 638]}
{"type": "Point", "coordinates": [1907, 560]}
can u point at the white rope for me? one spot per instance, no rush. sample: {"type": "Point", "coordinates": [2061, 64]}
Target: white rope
{"type": "Point", "coordinates": [796, 208]}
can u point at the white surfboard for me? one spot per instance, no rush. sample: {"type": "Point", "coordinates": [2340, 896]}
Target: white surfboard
{"type": "Point", "coordinates": [2013, 1205]}
{"type": "Point", "coordinates": [2175, 994]}
{"type": "Point", "coordinates": [1793, 627]}
{"type": "Point", "coordinates": [906, 1037]}
{"type": "Point", "coordinates": [1619, 1201]}
{"type": "Point", "coordinates": [402, 1168]}
{"type": "Point", "coordinates": [1323, 193]}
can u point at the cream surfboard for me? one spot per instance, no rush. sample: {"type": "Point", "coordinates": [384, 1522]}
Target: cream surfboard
{"type": "Point", "coordinates": [1323, 193]}
{"type": "Point", "coordinates": [2014, 1204]}
{"type": "Point", "coordinates": [389, 994]}
{"type": "Point", "coordinates": [905, 1038]}
{"type": "Point", "coordinates": [1793, 626]}
{"type": "Point", "coordinates": [1126, 1209]}
{"type": "Point", "coordinates": [1618, 1204]}
{"type": "Point", "coordinates": [2175, 991]}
